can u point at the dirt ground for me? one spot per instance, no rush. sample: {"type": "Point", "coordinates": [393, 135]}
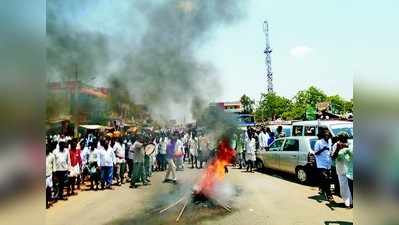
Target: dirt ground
{"type": "Point", "coordinates": [261, 199]}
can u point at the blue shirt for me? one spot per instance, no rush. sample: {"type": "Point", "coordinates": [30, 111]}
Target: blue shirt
{"type": "Point", "coordinates": [170, 150]}
{"type": "Point", "coordinates": [323, 159]}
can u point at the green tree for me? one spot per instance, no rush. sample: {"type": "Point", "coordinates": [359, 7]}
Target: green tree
{"type": "Point", "coordinates": [348, 106]}
{"type": "Point", "coordinates": [310, 96]}
{"type": "Point", "coordinates": [247, 103]}
{"type": "Point", "coordinates": [337, 104]}
{"type": "Point", "coordinates": [272, 106]}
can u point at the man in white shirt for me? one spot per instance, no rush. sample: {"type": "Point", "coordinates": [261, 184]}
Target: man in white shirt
{"type": "Point", "coordinates": [107, 161]}
{"type": "Point", "coordinates": [263, 137]}
{"type": "Point", "coordinates": [94, 165]}
{"type": "Point", "coordinates": [85, 157]}
{"type": "Point", "coordinates": [49, 173]}
{"type": "Point", "coordinates": [120, 159]}
{"type": "Point", "coordinates": [322, 152]}
{"type": "Point", "coordinates": [179, 154]}
{"type": "Point", "coordinates": [162, 151]}
{"type": "Point", "coordinates": [62, 162]}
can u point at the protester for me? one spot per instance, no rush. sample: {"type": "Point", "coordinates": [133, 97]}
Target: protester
{"type": "Point", "coordinates": [193, 145]}
{"type": "Point", "coordinates": [94, 166]}
{"type": "Point", "coordinates": [162, 152]}
{"type": "Point", "coordinates": [107, 161]}
{"type": "Point", "coordinates": [61, 164]}
{"type": "Point", "coordinates": [85, 152]}
{"type": "Point", "coordinates": [263, 139]}
{"type": "Point", "coordinates": [74, 169]}
{"type": "Point", "coordinates": [120, 161]}
{"type": "Point", "coordinates": [171, 151]}
{"type": "Point", "coordinates": [250, 151]}
{"type": "Point", "coordinates": [179, 154]}
{"type": "Point", "coordinates": [341, 169]}
{"type": "Point", "coordinates": [240, 150]}
{"type": "Point", "coordinates": [271, 137]}
{"type": "Point", "coordinates": [49, 173]}
{"type": "Point", "coordinates": [346, 155]}
{"type": "Point", "coordinates": [322, 150]}
{"type": "Point", "coordinates": [138, 163]}
{"type": "Point", "coordinates": [129, 159]}
{"type": "Point", "coordinates": [203, 149]}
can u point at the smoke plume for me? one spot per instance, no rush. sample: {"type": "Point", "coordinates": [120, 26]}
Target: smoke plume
{"type": "Point", "coordinates": [149, 45]}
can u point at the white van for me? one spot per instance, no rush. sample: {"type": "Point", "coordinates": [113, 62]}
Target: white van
{"type": "Point", "coordinates": [311, 128]}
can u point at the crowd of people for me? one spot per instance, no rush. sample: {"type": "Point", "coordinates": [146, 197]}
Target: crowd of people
{"type": "Point", "coordinates": [102, 161]}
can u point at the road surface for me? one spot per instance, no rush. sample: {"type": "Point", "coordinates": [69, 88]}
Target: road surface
{"type": "Point", "coordinates": [261, 199]}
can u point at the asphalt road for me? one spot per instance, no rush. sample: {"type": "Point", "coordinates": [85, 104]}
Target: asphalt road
{"type": "Point", "coordinates": [259, 198]}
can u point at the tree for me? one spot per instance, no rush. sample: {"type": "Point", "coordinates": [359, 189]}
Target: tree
{"type": "Point", "coordinates": [247, 103]}
{"type": "Point", "coordinates": [272, 106]}
{"type": "Point", "coordinates": [310, 96]}
{"type": "Point", "coordinates": [337, 104]}
{"type": "Point", "coordinates": [348, 106]}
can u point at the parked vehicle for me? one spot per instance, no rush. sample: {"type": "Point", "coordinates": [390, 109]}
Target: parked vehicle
{"type": "Point", "coordinates": [311, 128]}
{"type": "Point", "coordinates": [291, 155]}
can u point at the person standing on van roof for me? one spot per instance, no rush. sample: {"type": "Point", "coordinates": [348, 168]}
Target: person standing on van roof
{"type": "Point", "coordinates": [322, 151]}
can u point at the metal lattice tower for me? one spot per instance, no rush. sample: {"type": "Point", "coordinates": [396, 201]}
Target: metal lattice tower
{"type": "Point", "coordinates": [268, 52]}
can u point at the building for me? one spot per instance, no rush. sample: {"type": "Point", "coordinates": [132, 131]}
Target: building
{"type": "Point", "coordinates": [234, 106]}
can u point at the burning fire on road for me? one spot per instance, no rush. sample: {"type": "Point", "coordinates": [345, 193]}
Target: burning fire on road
{"type": "Point", "coordinates": [210, 189]}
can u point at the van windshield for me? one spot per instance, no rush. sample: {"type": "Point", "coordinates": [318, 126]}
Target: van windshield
{"type": "Point", "coordinates": [348, 128]}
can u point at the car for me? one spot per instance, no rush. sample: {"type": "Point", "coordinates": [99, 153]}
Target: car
{"type": "Point", "coordinates": [291, 155]}
{"type": "Point", "coordinates": [311, 128]}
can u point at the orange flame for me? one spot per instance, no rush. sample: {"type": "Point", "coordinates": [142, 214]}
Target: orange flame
{"type": "Point", "coordinates": [215, 171]}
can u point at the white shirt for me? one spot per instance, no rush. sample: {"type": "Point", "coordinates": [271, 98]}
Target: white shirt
{"type": "Point", "coordinates": [164, 143]}
{"type": "Point", "coordinates": [94, 156]}
{"type": "Point", "coordinates": [49, 164]}
{"type": "Point", "coordinates": [179, 146]}
{"type": "Point", "coordinates": [107, 156]}
{"type": "Point", "coordinates": [84, 154]}
{"type": "Point", "coordinates": [194, 146]}
{"type": "Point", "coordinates": [263, 139]}
{"type": "Point", "coordinates": [323, 159]}
{"type": "Point", "coordinates": [250, 146]}
{"type": "Point", "coordinates": [62, 160]}
{"type": "Point", "coordinates": [119, 152]}
{"type": "Point", "coordinates": [339, 164]}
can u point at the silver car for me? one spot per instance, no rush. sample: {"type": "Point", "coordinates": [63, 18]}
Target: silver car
{"type": "Point", "coordinates": [291, 155]}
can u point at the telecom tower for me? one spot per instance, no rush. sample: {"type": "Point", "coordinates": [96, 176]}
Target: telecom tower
{"type": "Point", "coordinates": [268, 52]}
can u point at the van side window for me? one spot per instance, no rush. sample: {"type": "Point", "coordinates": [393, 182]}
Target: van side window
{"type": "Point", "coordinates": [297, 131]}
{"type": "Point", "coordinates": [291, 145]}
{"type": "Point", "coordinates": [310, 131]}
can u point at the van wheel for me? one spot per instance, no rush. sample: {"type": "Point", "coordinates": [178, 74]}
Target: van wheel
{"type": "Point", "coordinates": [259, 165]}
{"type": "Point", "coordinates": [302, 175]}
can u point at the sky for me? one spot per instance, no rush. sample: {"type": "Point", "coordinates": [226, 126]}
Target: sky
{"type": "Point", "coordinates": [324, 43]}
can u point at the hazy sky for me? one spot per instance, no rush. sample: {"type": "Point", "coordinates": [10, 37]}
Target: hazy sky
{"type": "Point", "coordinates": [325, 43]}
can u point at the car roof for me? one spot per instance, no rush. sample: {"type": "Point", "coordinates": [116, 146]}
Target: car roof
{"type": "Point", "coordinates": [298, 137]}
{"type": "Point", "coordinates": [321, 122]}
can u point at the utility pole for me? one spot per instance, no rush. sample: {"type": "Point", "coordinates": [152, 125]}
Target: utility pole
{"type": "Point", "coordinates": [268, 52]}
{"type": "Point", "coordinates": [76, 102]}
